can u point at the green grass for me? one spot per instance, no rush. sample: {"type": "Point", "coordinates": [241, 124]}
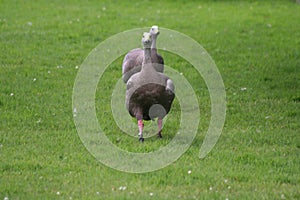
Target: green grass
{"type": "Point", "coordinates": [255, 44]}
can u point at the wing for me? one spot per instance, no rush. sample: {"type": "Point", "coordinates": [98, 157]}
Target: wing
{"type": "Point", "coordinates": [170, 86]}
{"type": "Point", "coordinates": [132, 63]}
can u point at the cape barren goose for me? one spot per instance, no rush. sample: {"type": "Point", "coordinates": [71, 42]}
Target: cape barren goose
{"type": "Point", "coordinates": [149, 94]}
{"type": "Point", "coordinates": [133, 60]}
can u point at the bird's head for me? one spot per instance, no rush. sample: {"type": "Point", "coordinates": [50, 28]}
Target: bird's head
{"type": "Point", "coordinates": [146, 40]}
{"type": "Point", "coordinates": [154, 30]}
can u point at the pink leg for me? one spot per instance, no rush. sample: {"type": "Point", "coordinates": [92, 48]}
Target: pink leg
{"type": "Point", "coordinates": [141, 126]}
{"type": "Point", "coordinates": [159, 125]}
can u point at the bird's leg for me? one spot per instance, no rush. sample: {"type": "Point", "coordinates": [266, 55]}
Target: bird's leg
{"type": "Point", "coordinates": [139, 117]}
{"type": "Point", "coordinates": [141, 126]}
{"type": "Point", "coordinates": [159, 125]}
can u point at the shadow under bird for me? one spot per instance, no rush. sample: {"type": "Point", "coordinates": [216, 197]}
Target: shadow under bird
{"type": "Point", "coordinates": [133, 59]}
{"type": "Point", "coordinates": [149, 94]}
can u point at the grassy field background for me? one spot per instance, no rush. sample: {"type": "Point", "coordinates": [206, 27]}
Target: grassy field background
{"type": "Point", "coordinates": [256, 46]}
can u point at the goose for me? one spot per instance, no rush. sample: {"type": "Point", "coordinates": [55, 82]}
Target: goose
{"type": "Point", "coordinates": [149, 94]}
{"type": "Point", "coordinates": [132, 61]}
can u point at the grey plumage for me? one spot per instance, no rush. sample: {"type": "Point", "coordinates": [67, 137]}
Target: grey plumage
{"type": "Point", "coordinates": [132, 61]}
{"type": "Point", "coordinates": [149, 94]}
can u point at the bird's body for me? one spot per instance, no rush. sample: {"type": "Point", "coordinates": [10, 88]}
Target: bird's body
{"type": "Point", "coordinates": [146, 90]}
{"type": "Point", "coordinates": [132, 61]}
{"type": "Point", "coordinates": [149, 94]}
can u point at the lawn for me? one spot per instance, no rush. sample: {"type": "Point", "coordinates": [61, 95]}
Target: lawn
{"type": "Point", "coordinates": [254, 44]}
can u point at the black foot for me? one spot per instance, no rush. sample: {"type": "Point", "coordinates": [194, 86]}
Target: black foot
{"type": "Point", "coordinates": [159, 134]}
{"type": "Point", "coordinates": [141, 139]}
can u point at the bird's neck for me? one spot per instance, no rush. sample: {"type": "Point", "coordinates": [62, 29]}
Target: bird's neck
{"type": "Point", "coordinates": [147, 63]}
{"type": "Point", "coordinates": [147, 56]}
{"type": "Point", "coordinates": [153, 45]}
